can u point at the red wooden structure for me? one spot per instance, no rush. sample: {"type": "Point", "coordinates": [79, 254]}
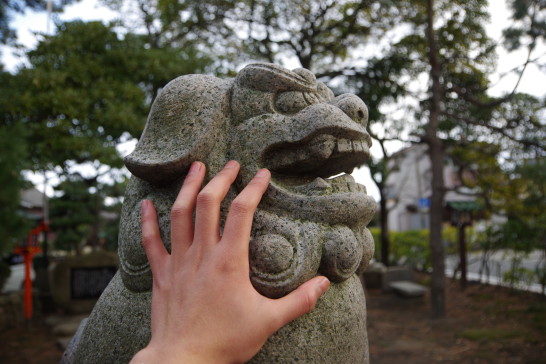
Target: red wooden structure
{"type": "Point", "coordinates": [28, 249]}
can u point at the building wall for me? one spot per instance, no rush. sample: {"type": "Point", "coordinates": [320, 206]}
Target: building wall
{"type": "Point", "coordinates": [408, 188]}
{"type": "Point", "coordinates": [407, 183]}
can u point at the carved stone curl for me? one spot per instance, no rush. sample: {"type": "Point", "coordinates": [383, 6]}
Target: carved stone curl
{"type": "Point", "coordinates": [308, 222]}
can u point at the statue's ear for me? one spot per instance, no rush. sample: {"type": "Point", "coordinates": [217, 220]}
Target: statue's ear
{"type": "Point", "coordinates": [182, 127]}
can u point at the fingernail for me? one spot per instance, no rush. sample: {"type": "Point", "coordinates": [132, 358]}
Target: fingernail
{"type": "Point", "coordinates": [323, 284]}
{"type": "Point", "coordinates": [231, 164]}
{"type": "Point", "coordinates": [262, 173]}
{"type": "Point", "coordinates": [145, 205]}
{"type": "Point", "coordinates": [195, 167]}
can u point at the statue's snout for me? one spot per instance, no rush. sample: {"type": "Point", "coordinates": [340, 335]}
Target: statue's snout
{"type": "Point", "coordinates": [353, 107]}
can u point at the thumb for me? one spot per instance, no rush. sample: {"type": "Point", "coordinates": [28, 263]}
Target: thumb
{"type": "Point", "coordinates": [302, 300]}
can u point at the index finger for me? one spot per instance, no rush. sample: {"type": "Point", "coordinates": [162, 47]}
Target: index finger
{"type": "Point", "coordinates": [241, 213]}
{"type": "Point", "coordinates": [151, 237]}
{"type": "Point", "coordinates": [182, 210]}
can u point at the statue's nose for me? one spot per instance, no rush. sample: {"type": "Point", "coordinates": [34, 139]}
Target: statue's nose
{"type": "Point", "coordinates": [353, 106]}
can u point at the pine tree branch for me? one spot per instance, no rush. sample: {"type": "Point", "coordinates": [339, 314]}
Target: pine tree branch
{"type": "Point", "coordinates": [496, 129]}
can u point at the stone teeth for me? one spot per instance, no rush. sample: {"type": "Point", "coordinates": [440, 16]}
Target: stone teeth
{"type": "Point", "coordinates": [322, 147]}
{"type": "Point", "coordinates": [344, 145]}
{"type": "Point", "coordinates": [318, 186]}
{"type": "Point", "coordinates": [348, 145]}
{"type": "Point", "coordinates": [358, 146]}
{"type": "Point", "coordinates": [344, 178]}
{"type": "Point", "coordinates": [319, 183]}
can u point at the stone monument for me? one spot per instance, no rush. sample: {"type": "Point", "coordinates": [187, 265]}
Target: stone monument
{"type": "Point", "coordinates": [77, 282]}
{"type": "Point", "coordinates": [308, 222]}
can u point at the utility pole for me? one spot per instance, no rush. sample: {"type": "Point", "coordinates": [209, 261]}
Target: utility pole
{"type": "Point", "coordinates": [45, 201]}
{"type": "Point", "coordinates": [45, 218]}
{"type": "Point", "coordinates": [49, 11]}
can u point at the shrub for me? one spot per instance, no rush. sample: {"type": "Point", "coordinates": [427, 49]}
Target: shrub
{"type": "Point", "coordinates": [406, 248]}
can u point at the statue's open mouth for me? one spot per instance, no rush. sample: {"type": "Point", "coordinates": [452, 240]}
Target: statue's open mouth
{"type": "Point", "coordinates": [318, 165]}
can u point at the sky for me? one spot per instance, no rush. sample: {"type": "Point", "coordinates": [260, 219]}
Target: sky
{"type": "Point", "coordinates": [30, 23]}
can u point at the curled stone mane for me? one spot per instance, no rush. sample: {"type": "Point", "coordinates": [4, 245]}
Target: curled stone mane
{"type": "Point", "coordinates": [312, 219]}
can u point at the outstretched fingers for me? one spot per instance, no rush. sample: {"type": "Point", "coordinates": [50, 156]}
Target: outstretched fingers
{"type": "Point", "coordinates": [209, 200]}
{"type": "Point", "coordinates": [151, 239]}
{"type": "Point", "coordinates": [241, 212]}
{"type": "Point", "coordinates": [182, 211]}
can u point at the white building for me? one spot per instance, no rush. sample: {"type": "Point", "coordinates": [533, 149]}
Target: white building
{"type": "Point", "coordinates": [408, 188]}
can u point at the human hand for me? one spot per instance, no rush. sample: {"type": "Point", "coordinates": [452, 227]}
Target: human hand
{"type": "Point", "coordinates": [204, 307]}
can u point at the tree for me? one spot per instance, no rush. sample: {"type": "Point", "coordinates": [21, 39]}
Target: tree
{"type": "Point", "coordinates": [87, 89]}
{"type": "Point", "coordinates": [13, 158]}
{"type": "Point", "coordinates": [80, 215]}
{"type": "Point", "coordinates": [315, 33]}
{"type": "Point", "coordinates": [529, 24]}
{"type": "Point", "coordinates": [461, 111]}
{"type": "Point", "coordinates": [197, 27]}
{"type": "Point", "coordinates": [82, 94]}
{"type": "Point", "coordinates": [14, 149]}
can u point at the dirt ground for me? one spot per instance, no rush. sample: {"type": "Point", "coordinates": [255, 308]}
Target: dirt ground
{"type": "Point", "coordinates": [484, 325]}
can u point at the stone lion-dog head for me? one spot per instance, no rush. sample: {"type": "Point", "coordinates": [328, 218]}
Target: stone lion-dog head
{"type": "Point", "coordinates": [308, 222]}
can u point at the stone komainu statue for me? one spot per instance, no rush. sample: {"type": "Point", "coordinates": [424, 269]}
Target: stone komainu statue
{"type": "Point", "coordinates": [306, 224]}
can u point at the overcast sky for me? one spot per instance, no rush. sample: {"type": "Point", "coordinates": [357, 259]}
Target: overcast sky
{"type": "Point", "coordinates": [533, 81]}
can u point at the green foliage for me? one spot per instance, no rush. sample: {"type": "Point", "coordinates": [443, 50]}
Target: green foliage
{"type": "Point", "coordinates": [407, 248]}
{"type": "Point", "coordinates": [515, 190]}
{"type": "Point", "coordinates": [476, 239]}
{"type": "Point", "coordinates": [519, 277]}
{"type": "Point", "coordinates": [85, 90]}
{"type": "Point", "coordinates": [411, 247]}
{"type": "Point", "coordinates": [196, 28]}
{"type": "Point", "coordinates": [80, 216]}
{"type": "Point", "coordinates": [466, 57]}
{"type": "Point", "coordinates": [520, 194]}
{"type": "Point", "coordinates": [72, 214]}
{"type": "Point", "coordinates": [82, 95]}
{"type": "Point", "coordinates": [12, 159]}
{"type": "Point", "coordinates": [319, 34]}
{"type": "Point", "coordinates": [529, 24]}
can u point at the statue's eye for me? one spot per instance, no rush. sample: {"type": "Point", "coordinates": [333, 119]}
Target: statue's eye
{"type": "Point", "coordinates": [291, 102]}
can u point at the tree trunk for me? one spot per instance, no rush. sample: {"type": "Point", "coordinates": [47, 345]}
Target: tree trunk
{"type": "Point", "coordinates": [462, 254]}
{"type": "Point", "coordinates": [436, 154]}
{"type": "Point", "coordinates": [384, 224]}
